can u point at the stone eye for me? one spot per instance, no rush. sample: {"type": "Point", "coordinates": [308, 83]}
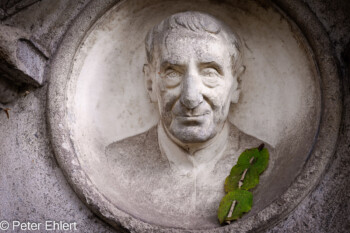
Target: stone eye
{"type": "Point", "coordinates": [210, 77]}
{"type": "Point", "coordinates": [210, 72]}
{"type": "Point", "coordinates": [172, 74]}
{"type": "Point", "coordinates": [172, 78]}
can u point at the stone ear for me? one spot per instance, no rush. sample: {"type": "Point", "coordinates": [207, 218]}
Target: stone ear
{"type": "Point", "coordinates": [235, 96]}
{"type": "Point", "coordinates": [236, 90]}
{"type": "Point", "coordinates": [240, 71]}
{"type": "Point", "coordinates": [148, 74]}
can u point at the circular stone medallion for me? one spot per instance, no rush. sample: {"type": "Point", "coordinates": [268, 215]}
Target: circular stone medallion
{"type": "Point", "coordinates": [97, 98]}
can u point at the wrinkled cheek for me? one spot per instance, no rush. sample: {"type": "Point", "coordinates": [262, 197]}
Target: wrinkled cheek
{"type": "Point", "coordinates": [216, 103]}
{"type": "Point", "coordinates": [167, 103]}
{"type": "Point", "coordinates": [226, 108]}
{"type": "Point", "coordinates": [221, 109]}
{"type": "Point", "coordinates": [169, 100]}
{"type": "Point", "coordinates": [167, 118]}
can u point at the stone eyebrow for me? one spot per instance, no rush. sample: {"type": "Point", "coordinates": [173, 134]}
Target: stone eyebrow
{"type": "Point", "coordinates": [171, 63]}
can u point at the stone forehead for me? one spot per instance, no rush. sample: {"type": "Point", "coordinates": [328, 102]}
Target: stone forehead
{"type": "Point", "coordinates": [205, 46]}
{"type": "Point", "coordinates": [189, 37]}
{"type": "Point", "coordinates": [185, 41]}
{"type": "Point", "coordinates": [183, 34]}
{"type": "Point", "coordinates": [191, 24]}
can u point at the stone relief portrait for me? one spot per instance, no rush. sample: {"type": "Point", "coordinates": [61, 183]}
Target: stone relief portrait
{"type": "Point", "coordinates": [175, 116]}
{"type": "Point", "coordinates": [159, 110]}
{"type": "Point", "coordinates": [192, 71]}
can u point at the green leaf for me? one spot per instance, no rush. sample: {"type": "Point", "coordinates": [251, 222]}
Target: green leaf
{"type": "Point", "coordinates": [243, 176]}
{"type": "Point", "coordinates": [244, 201]}
{"type": "Point", "coordinates": [231, 182]}
{"type": "Point", "coordinates": [245, 157]}
{"type": "Point", "coordinates": [262, 161]}
{"type": "Point", "coordinates": [254, 169]}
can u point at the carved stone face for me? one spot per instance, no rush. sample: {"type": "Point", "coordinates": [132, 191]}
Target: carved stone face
{"type": "Point", "coordinates": [193, 83]}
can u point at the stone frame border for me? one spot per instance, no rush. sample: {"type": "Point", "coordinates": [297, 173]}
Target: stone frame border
{"type": "Point", "coordinates": [323, 150]}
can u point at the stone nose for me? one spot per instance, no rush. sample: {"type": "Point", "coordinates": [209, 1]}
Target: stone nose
{"type": "Point", "coordinates": [191, 95]}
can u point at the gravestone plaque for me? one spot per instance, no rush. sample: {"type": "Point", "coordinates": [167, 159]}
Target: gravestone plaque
{"type": "Point", "coordinates": [151, 105]}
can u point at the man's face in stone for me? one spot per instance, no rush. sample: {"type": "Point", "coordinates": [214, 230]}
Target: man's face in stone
{"type": "Point", "coordinates": [193, 85]}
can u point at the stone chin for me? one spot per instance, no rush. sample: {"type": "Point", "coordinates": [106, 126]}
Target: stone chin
{"type": "Point", "coordinates": [190, 130]}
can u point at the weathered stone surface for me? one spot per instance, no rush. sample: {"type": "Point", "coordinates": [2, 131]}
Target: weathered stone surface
{"type": "Point", "coordinates": [117, 70]}
{"type": "Point", "coordinates": [327, 208]}
{"type": "Point", "coordinates": [34, 188]}
{"type": "Point", "coordinates": [48, 21]}
{"type": "Point", "coordinates": [20, 60]}
{"type": "Point", "coordinates": [11, 7]}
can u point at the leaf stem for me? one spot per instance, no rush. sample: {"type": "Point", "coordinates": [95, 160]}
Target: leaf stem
{"type": "Point", "coordinates": [231, 211]}
{"type": "Point", "coordinates": [240, 182]}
